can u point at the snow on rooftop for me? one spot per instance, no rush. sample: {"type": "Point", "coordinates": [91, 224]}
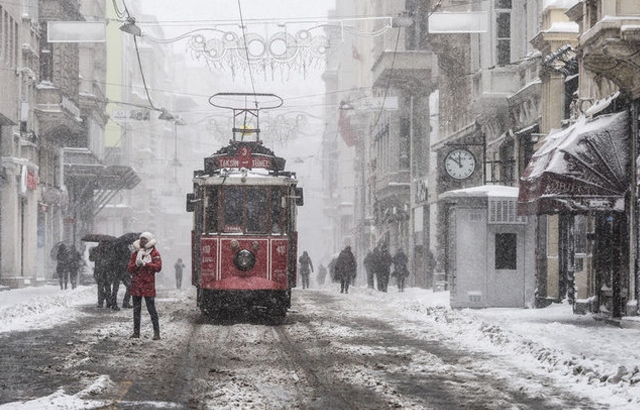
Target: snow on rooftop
{"type": "Point", "coordinates": [559, 4]}
{"type": "Point", "coordinates": [563, 27]}
{"type": "Point", "coordinates": [500, 191]}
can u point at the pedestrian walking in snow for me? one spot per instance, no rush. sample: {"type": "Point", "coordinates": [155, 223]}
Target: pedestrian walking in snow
{"type": "Point", "coordinates": [179, 267]}
{"type": "Point", "coordinates": [75, 263]}
{"type": "Point", "coordinates": [101, 257]}
{"type": "Point", "coordinates": [322, 274]}
{"type": "Point", "coordinates": [145, 262]}
{"type": "Point", "coordinates": [118, 273]}
{"type": "Point", "coordinates": [383, 266]}
{"type": "Point", "coordinates": [345, 269]}
{"type": "Point", "coordinates": [370, 267]}
{"type": "Point", "coordinates": [62, 266]}
{"type": "Point", "coordinates": [400, 270]}
{"type": "Point", "coordinates": [306, 267]}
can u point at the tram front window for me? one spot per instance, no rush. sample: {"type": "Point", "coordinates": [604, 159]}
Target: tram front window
{"type": "Point", "coordinates": [256, 209]}
{"type": "Point", "coordinates": [233, 204]}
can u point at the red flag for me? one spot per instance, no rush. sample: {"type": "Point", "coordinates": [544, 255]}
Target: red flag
{"type": "Point", "coordinates": [346, 130]}
{"type": "Point", "coordinates": [355, 54]}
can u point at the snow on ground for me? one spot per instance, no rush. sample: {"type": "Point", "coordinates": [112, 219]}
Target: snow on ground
{"type": "Point", "coordinates": [597, 359]}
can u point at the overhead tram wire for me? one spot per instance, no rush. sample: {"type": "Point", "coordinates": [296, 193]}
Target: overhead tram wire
{"type": "Point", "coordinates": [246, 50]}
{"type": "Point", "coordinates": [119, 13]}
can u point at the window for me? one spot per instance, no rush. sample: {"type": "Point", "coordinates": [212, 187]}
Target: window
{"type": "Point", "coordinates": [233, 212]}
{"type": "Point", "coordinates": [580, 228]}
{"type": "Point", "coordinates": [256, 209]}
{"type": "Point", "coordinates": [212, 210]}
{"type": "Point", "coordinates": [3, 33]}
{"type": "Point", "coordinates": [506, 251]}
{"type": "Point", "coordinates": [503, 32]}
{"type": "Point", "coordinates": [249, 209]}
{"type": "Point", "coordinates": [276, 210]}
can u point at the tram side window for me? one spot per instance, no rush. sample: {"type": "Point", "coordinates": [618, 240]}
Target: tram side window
{"type": "Point", "coordinates": [233, 205]}
{"type": "Point", "coordinates": [276, 210]}
{"type": "Point", "coordinates": [212, 210]}
{"type": "Point", "coordinates": [256, 207]}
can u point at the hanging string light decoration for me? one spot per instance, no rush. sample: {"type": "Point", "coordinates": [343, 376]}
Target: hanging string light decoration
{"type": "Point", "coordinates": [281, 52]}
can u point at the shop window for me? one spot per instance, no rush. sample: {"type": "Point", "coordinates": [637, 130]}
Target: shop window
{"type": "Point", "coordinates": [506, 253]}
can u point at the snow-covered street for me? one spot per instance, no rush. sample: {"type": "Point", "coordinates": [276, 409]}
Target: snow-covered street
{"type": "Point", "coordinates": [365, 349]}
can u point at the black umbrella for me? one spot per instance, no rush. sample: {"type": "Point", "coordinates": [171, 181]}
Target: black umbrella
{"type": "Point", "coordinates": [54, 251]}
{"type": "Point", "coordinates": [127, 238]}
{"type": "Point", "coordinates": [98, 237]}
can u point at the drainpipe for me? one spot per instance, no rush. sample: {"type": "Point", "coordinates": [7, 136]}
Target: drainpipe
{"type": "Point", "coordinates": [633, 206]}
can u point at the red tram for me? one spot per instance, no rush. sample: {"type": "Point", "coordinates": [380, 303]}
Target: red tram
{"type": "Point", "coordinates": [244, 237]}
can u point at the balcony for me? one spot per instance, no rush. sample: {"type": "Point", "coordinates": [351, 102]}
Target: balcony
{"type": "Point", "coordinates": [410, 71]}
{"type": "Point", "coordinates": [56, 112]}
{"type": "Point", "coordinates": [611, 48]}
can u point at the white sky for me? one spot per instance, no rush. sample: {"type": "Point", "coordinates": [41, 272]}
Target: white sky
{"type": "Point", "coordinates": [577, 353]}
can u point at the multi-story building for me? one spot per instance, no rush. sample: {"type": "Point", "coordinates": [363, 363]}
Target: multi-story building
{"type": "Point", "coordinates": [587, 212]}
{"type": "Point", "coordinates": [387, 68]}
{"type": "Point", "coordinates": [489, 102]}
{"type": "Point", "coordinates": [27, 196]}
{"type": "Point", "coordinates": [54, 119]}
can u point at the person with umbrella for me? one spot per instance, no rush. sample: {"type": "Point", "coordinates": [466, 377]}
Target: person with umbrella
{"type": "Point", "coordinates": [102, 258]}
{"type": "Point", "coordinates": [121, 253]}
{"type": "Point", "coordinates": [145, 262]}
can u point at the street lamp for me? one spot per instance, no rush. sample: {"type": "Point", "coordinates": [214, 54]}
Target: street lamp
{"type": "Point", "coordinates": [130, 27]}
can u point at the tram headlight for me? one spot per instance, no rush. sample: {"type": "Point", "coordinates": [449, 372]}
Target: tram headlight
{"type": "Point", "coordinates": [244, 260]}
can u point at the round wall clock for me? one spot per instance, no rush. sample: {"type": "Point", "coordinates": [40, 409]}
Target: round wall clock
{"type": "Point", "coordinates": [460, 163]}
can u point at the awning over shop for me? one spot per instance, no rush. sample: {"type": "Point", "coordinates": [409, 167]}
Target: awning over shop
{"type": "Point", "coordinates": [82, 165]}
{"type": "Point", "coordinates": [583, 167]}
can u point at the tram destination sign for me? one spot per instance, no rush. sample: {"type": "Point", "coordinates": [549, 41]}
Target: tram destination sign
{"type": "Point", "coordinates": [243, 157]}
{"type": "Point", "coordinates": [239, 162]}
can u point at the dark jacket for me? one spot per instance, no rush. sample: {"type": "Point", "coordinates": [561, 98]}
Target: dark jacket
{"type": "Point", "coordinates": [102, 258]}
{"type": "Point", "coordinates": [383, 261]}
{"type": "Point", "coordinates": [63, 259]}
{"type": "Point", "coordinates": [306, 266]}
{"type": "Point", "coordinates": [400, 261]}
{"type": "Point", "coordinates": [346, 264]}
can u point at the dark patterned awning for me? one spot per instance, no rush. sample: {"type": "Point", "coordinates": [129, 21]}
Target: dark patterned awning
{"type": "Point", "coordinates": [81, 163]}
{"type": "Point", "coordinates": [581, 168]}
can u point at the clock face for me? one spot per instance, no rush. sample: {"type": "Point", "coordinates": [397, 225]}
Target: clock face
{"type": "Point", "coordinates": [460, 164]}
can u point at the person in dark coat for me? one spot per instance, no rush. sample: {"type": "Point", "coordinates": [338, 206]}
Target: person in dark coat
{"type": "Point", "coordinates": [345, 269]}
{"type": "Point", "coordinates": [145, 262]}
{"type": "Point", "coordinates": [306, 267]}
{"type": "Point", "coordinates": [332, 269]}
{"type": "Point", "coordinates": [62, 266]}
{"type": "Point", "coordinates": [118, 272]}
{"type": "Point", "coordinates": [179, 267]}
{"type": "Point", "coordinates": [101, 257]}
{"type": "Point", "coordinates": [383, 266]}
{"type": "Point", "coordinates": [400, 271]}
{"type": "Point", "coordinates": [75, 263]}
{"type": "Point", "coordinates": [370, 267]}
{"type": "Point", "coordinates": [322, 274]}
